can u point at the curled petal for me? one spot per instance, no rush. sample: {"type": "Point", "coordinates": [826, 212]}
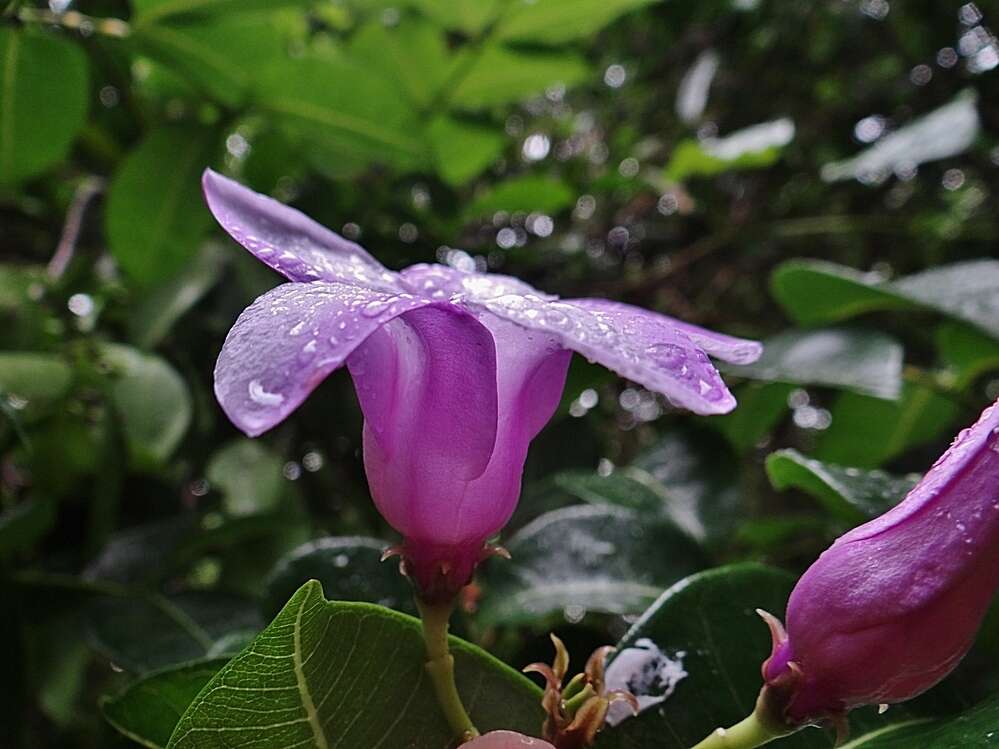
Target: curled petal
{"type": "Point", "coordinates": [289, 241]}
{"type": "Point", "coordinates": [642, 347]}
{"type": "Point", "coordinates": [287, 342]}
{"type": "Point", "coordinates": [721, 346]}
{"type": "Point", "coordinates": [595, 667]}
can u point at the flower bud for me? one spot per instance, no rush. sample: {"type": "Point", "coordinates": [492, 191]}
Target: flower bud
{"type": "Point", "coordinates": [892, 606]}
{"type": "Point", "coordinates": [506, 740]}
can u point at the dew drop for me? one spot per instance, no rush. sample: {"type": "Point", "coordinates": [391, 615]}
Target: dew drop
{"type": "Point", "coordinates": [259, 395]}
{"type": "Point", "coordinates": [667, 355]}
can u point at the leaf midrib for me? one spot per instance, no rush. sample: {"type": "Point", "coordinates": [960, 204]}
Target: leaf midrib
{"type": "Point", "coordinates": [303, 688]}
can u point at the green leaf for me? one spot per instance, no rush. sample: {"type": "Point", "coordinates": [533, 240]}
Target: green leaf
{"type": "Point", "coordinates": [153, 401]}
{"type": "Point", "coordinates": [865, 362]}
{"type": "Point", "coordinates": [530, 192]}
{"type": "Point", "coordinates": [349, 568]}
{"type": "Point", "coordinates": [44, 96]}
{"type": "Point", "coordinates": [700, 646]}
{"type": "Point", "coordinates": [220, 55]}
{"type": "Point", "coordinates": [498, 75]}
{"type": "Point", "coordinates": [33, 376]}
{"type": "Point", "coordinates": [391, 50]}
{"type": "Point", "coordinates": [761, 407]}
{"type": "Point", "coordinates": [463, 149]}
{"type": "Point", "coordinates": [754, 147]}
{"type": "Point", "coordinates": [350, 675]}
{"type": "Point", "coordinates": [866, 432]}
{"type": "Point", "coordinates": [147, 12]}
{"type": "Point", "coordinates": [249, 476]}
{"type": "Point", "coordinates": [706, 628]}
{"type": "Point", "coordinates": [814, 292]}
{"type": "Point", "coordinates": [972, 729]}
{"type": "Point", "coordinates": [155, 213]}
{"type": "Point", "coordinates": [852, 494]}
{"type": "Point", "coordinates": [143, 634]}
{"type": "Point", "coordinates": [586, 558]}
{"type": "Point", "coordinates": [468, 16]}
{"type": "Point", "coordinates": [560, 21]}
{"type": "Point", "coordinates": [966, 352]}
{"type": "Point", "coordinates": [147, 710]}
{"type": "Point", "coordinates": [155, 314]}
{"type": "Point", "coordinates": [344, 108]}
{"type": "Point", "coordinates": [24, 524]}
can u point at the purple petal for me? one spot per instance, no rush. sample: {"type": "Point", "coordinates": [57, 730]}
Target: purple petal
{"type": "Point", "coordinates": [443, 282]}
{"type": "Point", "coordinates": [289, 340]}
{"type": "Point", "coordinates": [721, 346]}
{"type": "Point", "coordinates": [427, 386]}
{"type": "Point", "coordinates": [289, 241]}
{"type": "Point", "coordinates": [446, 429]}
{"type": "Point", "coordinates": [640, 346]}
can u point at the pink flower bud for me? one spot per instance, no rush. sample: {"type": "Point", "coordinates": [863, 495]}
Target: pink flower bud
{"type": "Point", "coordinates": [506, 740]}
{"type": "Point", "coordinates": [893, 606]}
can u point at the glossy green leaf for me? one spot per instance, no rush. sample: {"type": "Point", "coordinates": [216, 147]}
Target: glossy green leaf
{"type": "Point", "coordinates": [146, 633]}
{"type": "Point", "coordinates": [499, 75]}
{"type": "Point", "coordinates": [154, 316]}
{"type": "Point", "coordinates": [44, 97]}
{"type": "Point", "coordinates": [350, 675]}
{"type": "Point", "coordinates": [862, 361]}
{"type": "Point", "coordinates": [153, 401]}
{"type": "Point", "coordinates": [349, 568]}
{"type": "Point", "coordinates": [813, 292]}
{"type": "Point", "coordinates": [698, 650]}
{"type": "Point", "coordinates": [560, 21]}
{"type": "Point", "coordinates": [852, 494]}
{"type": "Point", "coordinates": [349, 111]}
{"type": "Point", "coordinates": [147, 710]}
{"type": "Point", "coordinates": [155, 215]}
{"type": "Point", "coordinates": [865, 432]}
{"type": "Point", "coordinates": [531, 192]}
{"type": "Point", "coordinates": [974, 729]}
{"type": "Point", "coordinates": [462, 148]}
{"type": "Point", "coordinates": [586, 558]}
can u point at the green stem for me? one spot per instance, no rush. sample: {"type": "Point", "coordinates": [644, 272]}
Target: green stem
{"type": "Point", "coordinates": [746, 734]}
{"type": "Point", "coordinates": [440, 667]}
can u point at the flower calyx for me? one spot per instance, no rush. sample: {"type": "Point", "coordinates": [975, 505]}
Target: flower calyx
{"type": "Point", "coordinates": [577, 710]}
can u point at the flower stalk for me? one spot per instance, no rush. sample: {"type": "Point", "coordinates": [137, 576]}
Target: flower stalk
{"type": "Point", "coordinates": [440, 667]}
{"type": "Point", "coordinates": [748, 733]}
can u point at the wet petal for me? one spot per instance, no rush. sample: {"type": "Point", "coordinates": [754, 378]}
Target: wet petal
{"type": "Point", "coordinates": [443, 282]}
{"type": "Point", "coordinates": [645, 348]}
{"type": "Point", "coordinates": [721, 346]}
{"type": "Point", "coordinates": [289, 241]}
{"type": "Point", "coordinates": [289, 340]}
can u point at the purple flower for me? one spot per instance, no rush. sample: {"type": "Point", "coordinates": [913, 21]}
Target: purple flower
{"type": "Point", "coordinates": [892, 606]}
{"type": "Point", "coordinates": [455, 372]}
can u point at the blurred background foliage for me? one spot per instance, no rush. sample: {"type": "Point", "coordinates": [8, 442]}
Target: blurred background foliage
{"type": "Point", "coordinates": [821, 176]}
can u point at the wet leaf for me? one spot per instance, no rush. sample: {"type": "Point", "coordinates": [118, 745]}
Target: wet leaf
{"type": "Point", "coordinates": [349, 568]}
{"type": "Point", "coordinates": [865, 362]}
{"type": "Point", "coordinates": [752, 148]}
{"type": "Point", "coordinates": [145, 633]}
{"type": "Point", "coordinates": [942, 133]}
{"type": "Point", "coordinates": [852, 494]}
{"type": "Point", "coordinates": [814, 292]}
{"type": "Point", "coordinates": [586, 558]}
{"type": "Point", "coordinates": [147, 710]}
{"type": "Point", "coordinates": [325, 669]}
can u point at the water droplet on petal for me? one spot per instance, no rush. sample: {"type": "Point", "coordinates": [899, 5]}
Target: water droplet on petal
{"type": "Point", "coordinates": [667, 355]}
{"type": "Point", "coordinates": [259, 395]}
